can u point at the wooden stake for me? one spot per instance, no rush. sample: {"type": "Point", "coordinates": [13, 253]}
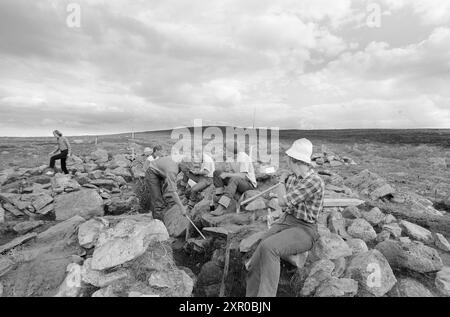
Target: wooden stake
{"type": "Point", "coordinates": [226, 267]}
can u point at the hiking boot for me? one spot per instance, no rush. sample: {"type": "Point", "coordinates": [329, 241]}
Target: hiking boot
{"type": "Point", "coordinates": [219, 211]}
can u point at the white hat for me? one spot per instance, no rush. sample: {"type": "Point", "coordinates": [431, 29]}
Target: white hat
{"type": "Point", "coordinates": [148, 150]}
{"type": "Point", "coordinates": [301, 150]}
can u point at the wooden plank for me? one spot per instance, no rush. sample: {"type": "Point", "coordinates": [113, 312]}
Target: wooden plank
{"type": "Point", "coordinates": [342, 202]}
{"type": "Point", "coordinates": [226, 268]}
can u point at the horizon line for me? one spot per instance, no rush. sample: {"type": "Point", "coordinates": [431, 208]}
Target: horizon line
{"type": "Point", "coordinates": [226, 126]}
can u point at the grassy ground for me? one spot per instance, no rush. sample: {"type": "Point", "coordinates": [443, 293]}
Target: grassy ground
{"type": "Point", "coordinates": [414, 160]}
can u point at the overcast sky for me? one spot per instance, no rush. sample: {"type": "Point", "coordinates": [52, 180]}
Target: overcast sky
{"type": "Point", "coordinates": [156, 64]}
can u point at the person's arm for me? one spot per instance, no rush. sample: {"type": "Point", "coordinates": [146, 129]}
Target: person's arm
{"type": "Point", "coordinates": [54, 151]}
{"type": "Point", "coordinates": [300, 193]}
{"type": "Point", "coordinates": [68, 146]}
{"type": "Point", "coordinates": [281, 195]}
{"type": "Point", "coordinates": [229, 175]}
{"type": "Point", "coordinates": [146, 165]}
{"type": "Point", "coordinates": [244, 168]}
{"type": "Point", "coordinates": [203, 172]}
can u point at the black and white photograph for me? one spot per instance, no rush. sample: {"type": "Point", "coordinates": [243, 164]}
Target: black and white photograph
{"type": "Point", "coordinates": [224, 154]}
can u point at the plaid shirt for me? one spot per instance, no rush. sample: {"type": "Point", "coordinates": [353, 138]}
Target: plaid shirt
{"type": "Point", "coordinates": [304, 196]}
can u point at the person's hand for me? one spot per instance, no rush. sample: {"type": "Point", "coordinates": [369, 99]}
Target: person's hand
{"type": "Point", "coordinates": [284, 175]}
{"type": "Point", "coordinates": [272, 195]}
{"type": "Point", "coordinates": [224, 175]}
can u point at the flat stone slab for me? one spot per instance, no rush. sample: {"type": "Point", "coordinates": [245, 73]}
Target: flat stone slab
{"type": "Point", "coordinates": [16, 242]}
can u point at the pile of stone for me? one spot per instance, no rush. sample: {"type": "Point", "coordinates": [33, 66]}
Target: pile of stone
{"type": "Point", "coordinates": [103, 257]}
{"type": "Point", "coordinates": [362, 251]}
{"type": "Point", "coordinates": [99, 185]}
{"type": "Point", "coordinates": [86, 253]}
{"type": "Point", "coordinates": [102, 248]}
{"type": "Point", "coordinates": [329, 159]}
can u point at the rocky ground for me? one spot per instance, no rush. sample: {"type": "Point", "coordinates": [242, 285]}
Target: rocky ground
{"type": "Point", "coordinates": [88, 234]}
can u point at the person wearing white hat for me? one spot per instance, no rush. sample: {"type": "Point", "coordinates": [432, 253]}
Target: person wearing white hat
{"type": "Point", "coordinates": [301, 198]}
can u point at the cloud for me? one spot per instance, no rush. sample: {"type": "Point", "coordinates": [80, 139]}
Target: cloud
{"type": "Point", "coordinates": [156, 64]}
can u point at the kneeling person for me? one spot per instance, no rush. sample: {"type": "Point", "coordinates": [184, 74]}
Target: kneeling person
{"type": "Point", "coordinates": [301, 198]}
{"type": "Point", "coordinates": [203, 178]}
{"type": "Point", "coordinates": [242, 180]}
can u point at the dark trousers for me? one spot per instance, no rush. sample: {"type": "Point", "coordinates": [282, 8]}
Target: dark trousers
{"type": "Point", "coordinates": [202, 183]}
{"type": "Point", "coordinates": [286, 237]}
{"type": "Point", "coordinates": [61, 156]}
{"type": "Point", "coordinates": [160, 193]}
{"type": "Point", "coordinates": [232, 185]}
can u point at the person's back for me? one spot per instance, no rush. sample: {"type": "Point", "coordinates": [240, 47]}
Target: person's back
{"type": "Point", "coordinates": [245, 165]}
{"type": "Point", "coordinates": [165, 166]}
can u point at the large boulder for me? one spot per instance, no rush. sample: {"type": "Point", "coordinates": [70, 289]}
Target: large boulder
{"type": "Point", "coordinates": [336, 224]}
{"type": "Point", "coordinates": [351, 212]}
{"type": "Point", "coordinates": [174, 283]}
{"type": "Point", "coordinates": [373, 273]}
{"type": "Point", "coordinates": [331, 247]}
{"type": "Point", "coordinates": [119, 206]}
{"type": "Point", "coordinates": [62, 182]}
{"type": "Point", "coordinates": [337, 287]}
{"type": "Point", "coordinates": [121, 160]}
{"type": "Point", "coordinates": [361, 229]}
{"type": "Point", "coordinates": [27, 226]}
{"type": "Point", "coordinates": [86, 203]}
{"type": "Point", "coordinates": [320, 271]}
{"type": "Point", "coordinates": [394, 229]}
{"type": "Point", "coordinates": [176, 222]}
{"type": "Point", "coordinates": [408, 287]}
{"type": "Point", "coordinates": [100, 156]}
{"type": "Point", "coordinates": [6, 264]}
{"type": "Point", "coordinates": [60, 232]}
{"type": "Point", "coordinates": [374, 216]}
{"type": "Point", "coordinates": [99, 278]}
{"type": "Point", "coordinates": [370, 184]}
{"type": "Point", "coordinates": [89, 232]}
{"type": "Point", "coordinates": [441, 242]}
{"type": "Point", "coordinates": [357, 245]}
{"type": "Point", "coordinates": [411, 255]}
{"type": "Point", "coordinates": [40, 267]}
{"type": "Point", "coordinates": [71, 286]}
{"type": "Point", "coordinates": [126, 241]}
{"type": "Point", "coordinates": [417, 232]}
{"type": "Point", "coordinates": [442, 281]}
{"type": "Point", "coordinates": [124, 172]}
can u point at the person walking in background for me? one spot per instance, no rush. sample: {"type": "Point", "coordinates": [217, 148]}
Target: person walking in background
{"type": "Point", "coordinates": [64, 150]}
{"type": "Point", "coordinates": [155, 154]}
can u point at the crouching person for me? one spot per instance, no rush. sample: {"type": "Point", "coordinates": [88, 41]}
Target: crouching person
{"type": "Point", "coordinates": [301, 197]}
{"type": "Point", "coordinates": [228, 184]}
{"type": "Point", "coordinates": [158, 175]}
